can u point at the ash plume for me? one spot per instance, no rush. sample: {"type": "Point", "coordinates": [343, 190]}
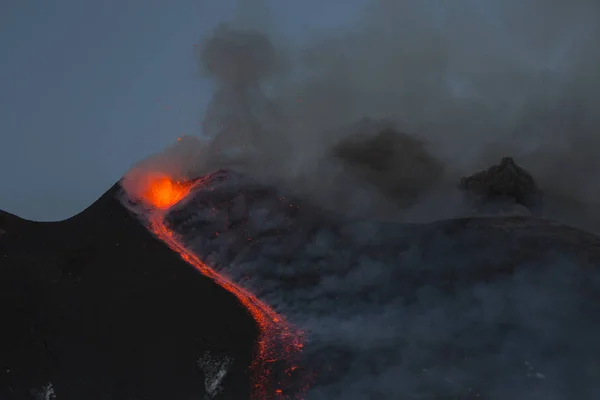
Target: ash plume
{"type": "Point", "coordinates": [242, 121]}
{"type": "Point", "coordinates": [477, 80]}
{"type": "Point", "coordinates": [390, 307]}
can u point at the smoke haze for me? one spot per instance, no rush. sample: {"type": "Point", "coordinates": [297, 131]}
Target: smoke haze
{"type": "Point", "coordinates": [479, 309]}
{"type": "Point", "coordinates": [474, 81]}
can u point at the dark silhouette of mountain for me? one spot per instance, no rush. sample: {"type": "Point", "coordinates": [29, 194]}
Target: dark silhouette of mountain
{"type": "Point", "coordinates": [99, 308]}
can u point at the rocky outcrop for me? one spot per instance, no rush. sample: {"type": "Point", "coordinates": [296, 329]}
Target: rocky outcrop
{"type": "Point", "coordinates": [505, 187]}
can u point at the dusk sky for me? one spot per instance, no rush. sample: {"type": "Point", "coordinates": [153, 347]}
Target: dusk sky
{"type": "Point", "coordinates": [89, 88]}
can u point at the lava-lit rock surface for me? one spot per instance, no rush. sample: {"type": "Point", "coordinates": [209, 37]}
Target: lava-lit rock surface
{"type": "Point", "coordinates": [100, 309]}
{"type": "Point", "coordinates": [486, 308]}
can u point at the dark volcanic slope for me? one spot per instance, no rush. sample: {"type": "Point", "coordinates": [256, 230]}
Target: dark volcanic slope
{"type": "Point", "coordinates": [472, 308]}
{"type": "Point", "coordinates": [102, 310]}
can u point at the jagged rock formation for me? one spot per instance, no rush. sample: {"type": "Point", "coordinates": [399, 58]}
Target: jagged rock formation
{"type": "Point", "coordinates": [505, 187]}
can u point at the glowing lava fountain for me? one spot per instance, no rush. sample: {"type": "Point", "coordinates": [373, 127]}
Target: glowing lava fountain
{"type": "Point", "coordinates": [278, 343]}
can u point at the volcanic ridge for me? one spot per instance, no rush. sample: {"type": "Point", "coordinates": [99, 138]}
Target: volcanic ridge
{"type": "Point", "coordinates": [292, 301]}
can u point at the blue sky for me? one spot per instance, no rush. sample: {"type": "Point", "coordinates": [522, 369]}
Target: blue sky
{"type": "Point", "coordinates": [87, 88]}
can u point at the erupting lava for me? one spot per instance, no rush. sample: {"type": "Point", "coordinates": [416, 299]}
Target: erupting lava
{"type": "Point", "coordinates": [278, 342]}
{"type": "Point", "coordinates": [162, 192]}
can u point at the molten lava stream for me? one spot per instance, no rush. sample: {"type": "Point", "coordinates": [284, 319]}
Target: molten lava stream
{"type": "Point", "coordinates": [277, 342]}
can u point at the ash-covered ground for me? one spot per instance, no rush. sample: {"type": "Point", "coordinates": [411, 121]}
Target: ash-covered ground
{"type": "Point", "coordinates": [481, 308]}
{"type": "Point", "coordinates": [336, 200]}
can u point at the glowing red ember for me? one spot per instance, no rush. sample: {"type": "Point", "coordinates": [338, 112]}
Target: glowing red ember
{"type": "Point", "coordinates": [162, 192]}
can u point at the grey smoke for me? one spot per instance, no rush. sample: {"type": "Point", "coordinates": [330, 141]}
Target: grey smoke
{"type": "Point", "coordinates": [387, 305]}
{"type": "Point", "coordinates": [477, 80]}
{"type": "Point", "coordinates": [241, 119]}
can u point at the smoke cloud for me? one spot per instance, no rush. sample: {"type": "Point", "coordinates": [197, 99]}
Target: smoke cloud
{"type": "Point", "coordinates": [398, 310]}
{"type": "Point", "coordinates": [475, 80]}
{"type": "Point", "coordinates": [244, 124]}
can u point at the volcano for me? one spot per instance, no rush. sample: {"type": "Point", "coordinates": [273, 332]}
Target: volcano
{"type": "Point", "coordinates": [104, 306]}
{"type": "Point", "coordinates": [95, 307]}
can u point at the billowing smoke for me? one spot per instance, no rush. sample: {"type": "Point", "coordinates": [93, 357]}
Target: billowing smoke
{"type": "Point", "coordinates": [245, 125]}
{"type": "Point", "coordinates": [396, 310]}
{"type": "Point", "coordinates": [477, 80]}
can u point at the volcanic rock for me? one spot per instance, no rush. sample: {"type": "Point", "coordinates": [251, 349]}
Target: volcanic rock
{"type": "Point", "coordinates": [501, 187]}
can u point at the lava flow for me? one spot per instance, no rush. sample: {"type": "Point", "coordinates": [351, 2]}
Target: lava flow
{"type": "Point", "coordinates": [278, 343]}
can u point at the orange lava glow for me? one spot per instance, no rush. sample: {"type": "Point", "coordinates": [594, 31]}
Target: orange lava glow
{"type": "Point", "coordinates": [163, 192]}
{"type": "Point", "coordinates": [278, 343]}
